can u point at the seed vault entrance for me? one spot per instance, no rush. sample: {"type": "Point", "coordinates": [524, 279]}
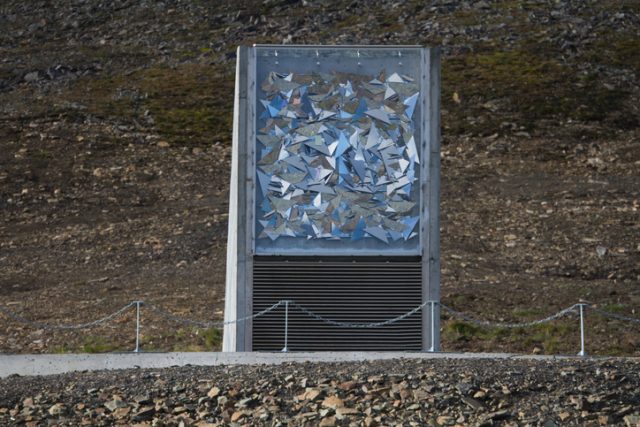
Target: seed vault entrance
{"type": "Point", "coordinates": [334, 198]}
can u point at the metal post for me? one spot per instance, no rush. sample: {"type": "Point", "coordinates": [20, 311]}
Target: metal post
{"type": "Point", "coordinates": [433, 327]}
{"type": "Point", "coordinates": [137, 350]}
{"type": "Point", "coordinates": [286, 326]}
{"type": "Point", "coordinates": [582, 353]}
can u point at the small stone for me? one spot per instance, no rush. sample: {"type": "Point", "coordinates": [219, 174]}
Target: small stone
{"type": "Point", "coordinates": [328, 422]}
{"type": "Point", "coordinates": [376, 379]}
{"type": "Point", "coordinates": [179, 410]}
{"type": "Point", "coordinates": [479, 395]}
{"type": "Point", "coordinates": [564, 416]}
{"type": "Point", "coordinates": [463, 388]}
{"type": "Point", "coordinates": [114, 404]}
{"type": "Point", "coordinates": [222, 400]}
{"type": "Point", "coordinates": [332, 402]}
{"type": "Point", "coordinates": [145, 414]}
{"type": "Point", "coordinates": [32, 76]}
{"type": "Point", "coordinates": [309, 394]}
{"type": "Point", "coordinates": [419, 395]}
{"type": "Point", "coordinates": [121, 412]}
{"type": "Point", "coordinates": [142, 399]}
{"type": "Point", "coordinates": [214, 392]}
{"type": "Point", "coordinates": [370, 422]}
{"type": "Point", "coordinates": [472, 403]}
{"type": "Point", "coordinates": [604, 420]}
{"type": "Point", "coordinates": [163, 144]}
{"type": "Point", "coordinates": [249, 402]}
{"type": "Point", "coordinates": [443, 420]}
{"type": "Point", "coordinates": [57, 409]}
{"type": "Point", "coordinates": [236, 416]}
{"type": "Point", "coordinates": [577, 402]}
{"type": "Point", "coordinates": [345, 412]}
{"type": "Point", "coordinates": [632, 420]}
{"type": "Point", "coordinates": [348, 385]}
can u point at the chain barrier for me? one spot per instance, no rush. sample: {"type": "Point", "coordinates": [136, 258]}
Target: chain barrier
{"type": "Point", "coordinates": [614, 315]}
{"type": "Point", "coordinates": [49, 327]}
{"type": "Point", "coordinates": [490, 324]}
{"type": "Point", "coordinates": [209, 324]}
{"type": "Point", "coordinates": [358, 325]}
{"type": "Point", "coordinates": [579, 308]}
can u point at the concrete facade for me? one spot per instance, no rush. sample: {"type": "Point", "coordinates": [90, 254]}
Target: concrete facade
{"type": "Point", "coordinates": [241, 244]}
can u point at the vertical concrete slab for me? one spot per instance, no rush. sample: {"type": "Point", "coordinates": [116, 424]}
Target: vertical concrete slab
{"type": "Point", "coordinates": [431, 192]}
{"type": "Point", "coordinates": [234, 292]}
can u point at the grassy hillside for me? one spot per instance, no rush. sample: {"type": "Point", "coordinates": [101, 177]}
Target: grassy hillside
{"type": "Point", "coordinates": [115, 130]}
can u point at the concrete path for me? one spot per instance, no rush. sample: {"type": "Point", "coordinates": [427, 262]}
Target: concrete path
{"type": "Point", "coordinates": [48, 364]}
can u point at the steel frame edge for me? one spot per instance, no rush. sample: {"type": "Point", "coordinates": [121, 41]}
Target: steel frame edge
{"type": "Point", "coordinates": [431, 196]}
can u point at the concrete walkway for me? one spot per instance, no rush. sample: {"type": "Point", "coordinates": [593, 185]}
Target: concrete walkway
{"type": "Point", "coordinates": [48, 364]}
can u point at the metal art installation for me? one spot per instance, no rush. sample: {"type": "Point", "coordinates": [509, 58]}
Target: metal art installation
{"type": "Point", "coordinates": [336, 157]}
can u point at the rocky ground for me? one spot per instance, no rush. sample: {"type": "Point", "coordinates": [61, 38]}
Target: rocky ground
{"type": "Point", "coordinates": [115, 121]}
{"type": "Point", "coordinates": [384, 393]}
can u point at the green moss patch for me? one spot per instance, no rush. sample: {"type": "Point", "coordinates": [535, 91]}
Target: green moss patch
{"type": "Point", "coordinates": [190, 104]}
{"type": "Point", "coordinates": [551, 338]}
{"type": "Point", "coordinates": [97, 344]}
{"type": "Point", "coordinates": [183, 339]}
{"type": "Point", "coordinates": [524, 86]}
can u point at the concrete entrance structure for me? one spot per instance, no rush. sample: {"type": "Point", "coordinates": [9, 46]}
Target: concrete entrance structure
{"type": "Point", "coordinates": [334, 196]}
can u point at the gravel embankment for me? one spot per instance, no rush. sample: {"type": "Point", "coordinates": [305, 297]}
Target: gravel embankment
{"type": "Point", "coordinates": [394, 392]}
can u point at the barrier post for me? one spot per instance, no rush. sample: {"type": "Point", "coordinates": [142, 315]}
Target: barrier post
{"type": "Point", "coordinates": [137, 349]}
{"type": "Point", "coordinates": [433, 327]}
{"type": "Point", "coordinates": [285, 349]}
{"type": "Point", "coordinates": [582, 352]}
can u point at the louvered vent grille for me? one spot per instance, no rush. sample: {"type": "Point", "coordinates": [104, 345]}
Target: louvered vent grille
{"type": "Point", "coordinates": [342, 290]}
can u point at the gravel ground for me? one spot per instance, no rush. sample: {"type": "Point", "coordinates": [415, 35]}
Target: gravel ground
{"type": "Point", "coordinates": [397, 392]}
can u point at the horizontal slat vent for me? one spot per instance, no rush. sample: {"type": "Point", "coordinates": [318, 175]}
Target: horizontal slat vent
{"type": "Point", "coordinates": [341, 290]}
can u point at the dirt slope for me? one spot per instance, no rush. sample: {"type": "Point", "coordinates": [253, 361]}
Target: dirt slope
{"type": "Point", "coordinates": [115, 122]}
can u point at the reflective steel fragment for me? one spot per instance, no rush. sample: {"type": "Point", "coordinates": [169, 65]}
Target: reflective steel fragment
{"type": "Point", "coordinates": [336, 157]}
